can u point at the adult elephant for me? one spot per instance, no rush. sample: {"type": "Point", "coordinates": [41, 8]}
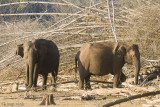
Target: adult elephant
{"type": "Point", "coordinates": [106, 57]}
{"type": "Point", "coordinates": [41, 57]}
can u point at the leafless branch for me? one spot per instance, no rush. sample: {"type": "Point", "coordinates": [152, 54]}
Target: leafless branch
{"type": "Point", "coordinates": [33, 2]}
{"type": "Point", "coordinates": [24, 14]}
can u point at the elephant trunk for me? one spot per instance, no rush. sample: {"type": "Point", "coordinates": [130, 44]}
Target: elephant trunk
{"type": "Point", "coordinates": [75, 76]}
{"type": "Point", "coordinates": [137, 69]}
{"type": "Point", "coordinates": [31, 70]}
{"type": "Point", "coordinates": [76, 60]}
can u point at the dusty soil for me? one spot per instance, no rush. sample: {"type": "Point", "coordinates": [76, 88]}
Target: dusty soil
{"type": "Point", "coordinates": [68, 95]}
{"type": "Point", "coordinates": [6, 102]}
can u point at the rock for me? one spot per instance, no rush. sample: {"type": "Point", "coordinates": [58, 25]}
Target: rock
{"type": "Point", "coordinates": [106, 86]}
{"type": "Point", "coordinates": [87, 97]}
{"type": "Point", "coordinates": [130, 80]}
{"type": "Point", "coordinates": [96, 86]}
{"type": "Point", "coordinates": [51, 88]}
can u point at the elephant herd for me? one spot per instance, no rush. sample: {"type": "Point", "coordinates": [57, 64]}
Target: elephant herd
{"type": "Point", "coordinates": [42, 57]}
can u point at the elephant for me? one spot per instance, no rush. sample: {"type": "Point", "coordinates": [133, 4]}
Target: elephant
{"type": "Point", "coordinates": [104, 58]}
{"type": "Point", "coordinates": [41, 57]}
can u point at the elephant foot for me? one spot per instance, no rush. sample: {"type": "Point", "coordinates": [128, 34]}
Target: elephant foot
{"type": "Point", "coordinates": [44, 87]}
{"type": "Point", "coordinates": [81, 88]}
{"type": "Point", "coordinates": [33, 88]}
{"type": "Point", "coordinates": [34, 85]}
{"type": "Point", "coordinates": [88, 87]}
{"type": "Point", "coordinates": [54, 85]}
{"type": "Point", "coordinates": [115, 85]}
{"type": "Point", "coordinates": [29, 86]}
{"type": "Point", "coordinates": [26, 85]}
{"type": "Point", "coordinates": [119, 86]}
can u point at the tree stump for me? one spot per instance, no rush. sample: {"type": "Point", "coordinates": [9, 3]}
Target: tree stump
{"type": "Point", "coordinates": [48, 100]}
{"type": "Point", "coordinates": [15, 87]}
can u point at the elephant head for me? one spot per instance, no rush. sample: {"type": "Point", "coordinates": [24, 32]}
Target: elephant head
{"type": "Point", "coordinates": [131, 55]}
{"type": "Point", "coordinates": [29, 52]}
{"type": "Point", "coordinates": [19, 50]}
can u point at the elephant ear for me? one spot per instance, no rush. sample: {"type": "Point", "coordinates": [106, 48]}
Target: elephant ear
{"type": "Point", "coordinates": [121, 52]}
{"type": "Point", "coordinates": [135, 47]}
{"type": "Point", "coordinates": [19, 50]}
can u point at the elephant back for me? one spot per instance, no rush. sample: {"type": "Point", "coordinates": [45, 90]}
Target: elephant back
{"type": "Point", "coordinates": [47, 47]}
{"type": "Point", "coordinates": [39, 43]}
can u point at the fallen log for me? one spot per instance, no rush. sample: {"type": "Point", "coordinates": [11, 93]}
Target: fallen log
{"type": "Point", "coordinates": [150, 77]}
{"type": "Point", "coordinates": [153, 76]}
{"type": "Point", "coordinates": [130, 98]}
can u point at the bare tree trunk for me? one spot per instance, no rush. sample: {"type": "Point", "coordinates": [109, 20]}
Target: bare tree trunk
{"type": "Point", "coordinates": [112, 22]}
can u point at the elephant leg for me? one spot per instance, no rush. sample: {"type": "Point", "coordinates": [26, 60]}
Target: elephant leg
{"type": "Point", "coordinates": [122, 77]}
{"type": "Point", "coordinates": [81, 83]}
{"type": "Point", "coordinates": [54, 78]}
{"type": "Point", "coordinates": [117, 70]}
{"type": "Point", "coordinates": [44, 80]}
{"type": "Point", "coordinates": [87, 82]}
{"type": "Point", "coordinates": [35, 78]}
{"type": "Point", "coordinates": [116, 79]}
{"type": "Point", "coordinates": [81, 76]}
{"type": "Point", "coordinates": [27, 75]}
{"type": "Point", "coordinates": [55, 73]}
{"type": "Point", "coordinates": [31, 73]}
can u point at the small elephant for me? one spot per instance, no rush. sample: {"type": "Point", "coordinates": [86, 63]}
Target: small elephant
{"type": "Point", "coordinates": [106, 57]}
{"type": "Point", "coordinates": [41, 57]}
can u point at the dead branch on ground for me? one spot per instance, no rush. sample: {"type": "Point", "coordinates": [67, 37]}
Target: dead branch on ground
{"type": "Point", "coordinates": [33, 2]}
{"type": "Point", "coordinates": [149, 77]}
{"type": "Point", "coordinates": [130, 98]}
{"type": "Point", "coordinates": [64, 14]}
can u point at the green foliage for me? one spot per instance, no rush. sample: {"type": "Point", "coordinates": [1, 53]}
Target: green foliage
{"type": "Point", "coordinates": [4, 1]}
{"type": "Point", "coordinates": [20, 5]}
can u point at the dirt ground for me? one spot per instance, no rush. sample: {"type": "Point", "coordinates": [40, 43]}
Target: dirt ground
{"type": "Point", "coordinates": [68, 95]}
{"type": "Point", "coordinates": [19, 102]}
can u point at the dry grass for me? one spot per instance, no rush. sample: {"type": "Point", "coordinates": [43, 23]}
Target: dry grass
{"type": "Point", "coordinates": [145, 30]}
{"type": "Point", "coordinates": [139, 25]}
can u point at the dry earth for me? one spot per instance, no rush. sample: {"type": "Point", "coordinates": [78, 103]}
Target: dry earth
{"type": "Point", "coordinates": [68, 95]}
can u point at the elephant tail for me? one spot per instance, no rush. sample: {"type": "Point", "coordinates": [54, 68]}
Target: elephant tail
{"type": "Point", "coordinates": [76, 60]}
